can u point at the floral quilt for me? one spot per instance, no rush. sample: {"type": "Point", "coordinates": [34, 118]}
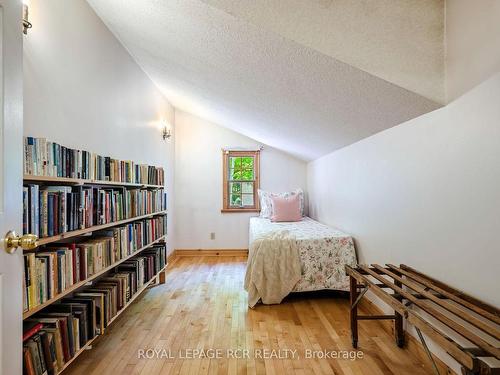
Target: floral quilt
{"type": "Point", "coordinates": [323, 252]}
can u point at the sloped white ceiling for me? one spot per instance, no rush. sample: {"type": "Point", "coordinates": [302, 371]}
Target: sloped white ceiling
{"type": "Point", "coordinates": [399, 41]}
{"type": "Point", "coordinates": [253, 80]}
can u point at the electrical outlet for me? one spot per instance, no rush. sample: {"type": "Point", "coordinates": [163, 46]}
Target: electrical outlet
{"type": "Point", "coordinates": [212, 235]}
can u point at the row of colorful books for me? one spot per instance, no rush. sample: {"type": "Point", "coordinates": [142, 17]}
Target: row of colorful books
{"type": "Point", "coordinates": [53, 337]}
{"type": "Point", "coordinates": [52, 210]}
{"type": "Point", "coordinates": [56, 267]}
{"type": "Point", "coordinates": [45, 158]}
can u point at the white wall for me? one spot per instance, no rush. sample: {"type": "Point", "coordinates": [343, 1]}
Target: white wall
{"type": "Point", "coordinates": [82, 89]}
{"type": "Point", "coordinates": [198, 183]}
{"type": "Point", "coordinates": [472, 53]}
{"type": "Point", "coordinates": [425, 193]}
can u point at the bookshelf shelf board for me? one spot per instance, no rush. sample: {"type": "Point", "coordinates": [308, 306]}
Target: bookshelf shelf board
{"type": "Point", "coordinates": [80, 232]}
{"type": "Point", "coordinates": [78, 285]}
{"type": "Point", "coordinates": [88, 345]}
{"type": "Point", "coordinates": [82, 181]}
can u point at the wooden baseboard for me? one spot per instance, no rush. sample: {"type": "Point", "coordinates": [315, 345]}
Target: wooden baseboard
{"type": "Point", "coordinates": [211, 252]}
{"type": "Point", "coordinates": [412, 344]}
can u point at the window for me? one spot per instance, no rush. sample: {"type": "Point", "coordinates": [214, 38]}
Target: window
{"type": "Point", "coordinates": [240, 181]}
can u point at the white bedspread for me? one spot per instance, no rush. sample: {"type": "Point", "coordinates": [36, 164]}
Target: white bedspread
{"type": "Point", "coordinates": [323, 252]}
{"type": "Point", "coordinates": [273, 268]}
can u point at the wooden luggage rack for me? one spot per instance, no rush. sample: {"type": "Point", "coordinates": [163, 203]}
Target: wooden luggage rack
{"type": "Point", "coordinates": [462, 318]}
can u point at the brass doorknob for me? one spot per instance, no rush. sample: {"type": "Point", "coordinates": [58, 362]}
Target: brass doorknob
{"type": "Point", "coordinates": [12, 241]}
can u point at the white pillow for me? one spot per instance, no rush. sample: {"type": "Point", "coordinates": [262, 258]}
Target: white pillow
{"type": "Point", "coordinates": [266, 204]}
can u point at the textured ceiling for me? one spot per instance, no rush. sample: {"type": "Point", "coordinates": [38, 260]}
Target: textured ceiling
{"type": "Point", "coordinates": [252, 79]}
{"type": "Point", "coordinates": [399, 41]}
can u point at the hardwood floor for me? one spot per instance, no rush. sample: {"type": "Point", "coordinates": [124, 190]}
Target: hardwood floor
{"type": "Point", "coordinates": [203, 306]}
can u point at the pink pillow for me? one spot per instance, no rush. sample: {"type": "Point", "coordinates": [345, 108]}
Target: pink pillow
{"type": "Point", "coordinates": [286, 208]}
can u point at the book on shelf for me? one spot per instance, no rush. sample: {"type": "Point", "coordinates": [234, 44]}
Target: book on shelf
{"type": "Point", "coordinates": [38, 349]}
{"type": "Point", "coordinates": [46, 158]}
{"type": "Point", "coordinates": [54, 268]}
{"type": "Point", "coordinates": [52, 210]}
{"type": "Point", "coordinates": [54, 336]}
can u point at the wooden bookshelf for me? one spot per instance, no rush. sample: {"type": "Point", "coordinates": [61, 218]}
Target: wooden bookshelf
{"type": "Point", "coordinates": [42, 151]}
{"type": "Point", "coordinates": [88, 345]}
{"type": "Point", "coordinates": [80, 232]}
{"type": "Point", "coordinates": [79, 284]}
{"type": "Point", "coordinates": [136, 295]}
{"type": "Point", "coordinates": [82, 181]}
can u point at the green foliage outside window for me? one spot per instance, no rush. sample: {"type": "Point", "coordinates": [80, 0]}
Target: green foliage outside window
{"type": "Point", "coordinates": [241, 169]}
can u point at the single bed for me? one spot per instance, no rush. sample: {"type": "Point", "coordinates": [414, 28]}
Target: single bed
{"type": "Point", "coordinates": [323, 251]}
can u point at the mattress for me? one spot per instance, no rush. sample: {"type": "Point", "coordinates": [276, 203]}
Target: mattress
{"type": "Point", "coordinates": [324, 252]}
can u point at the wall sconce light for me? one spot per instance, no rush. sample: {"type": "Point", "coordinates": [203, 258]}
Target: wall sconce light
{"type": "Point", "coordinates": [26, 23]}
{"type": "Point", "coordinates": [166, 131]}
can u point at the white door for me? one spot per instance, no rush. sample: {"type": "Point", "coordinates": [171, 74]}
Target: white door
{"type": "Point", "coordinates": [11, 158]}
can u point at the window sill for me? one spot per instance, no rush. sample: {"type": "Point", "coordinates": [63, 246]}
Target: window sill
{"type": "Point", "coordinates": [230, 210]}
